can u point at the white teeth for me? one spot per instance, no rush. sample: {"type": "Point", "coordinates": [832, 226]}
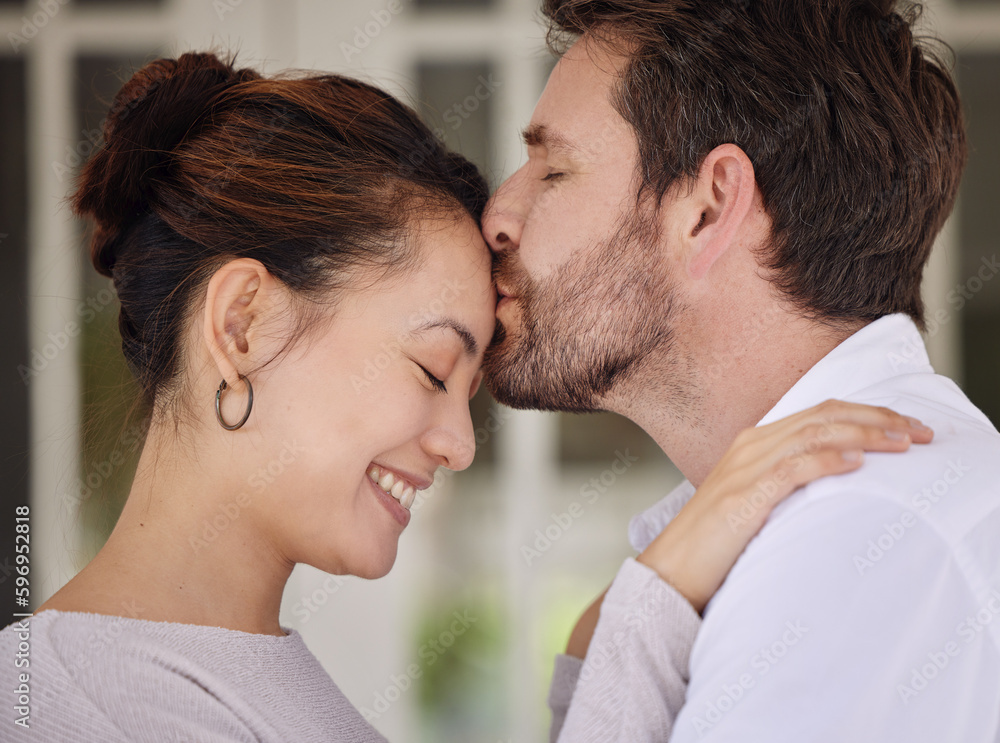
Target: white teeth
{"type": "Point", "coordinates": [398, 489]}
{"type": "Point", "coordinates": [407, 498]}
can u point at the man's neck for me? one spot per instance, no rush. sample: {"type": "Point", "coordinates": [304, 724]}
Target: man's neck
{"type": "Point", "coordinates": [699, 395]}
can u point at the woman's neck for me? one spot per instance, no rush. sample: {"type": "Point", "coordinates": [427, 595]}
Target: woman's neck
{"type": "Point", "coordinates": [184, 550]}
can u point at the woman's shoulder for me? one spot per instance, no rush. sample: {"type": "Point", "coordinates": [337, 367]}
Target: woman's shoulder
{"type": "Point", "coordinates": [83, 644]}
{"type": "Point", "coordinates": [51, 659]}
{"type": "Point", "coordinates": [139, 673]}
{"type": "Point", "coordinates": [100, 635]}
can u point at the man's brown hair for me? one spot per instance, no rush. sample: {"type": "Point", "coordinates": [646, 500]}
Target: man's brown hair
{"type": "Point", "coordinates": [854, 128]}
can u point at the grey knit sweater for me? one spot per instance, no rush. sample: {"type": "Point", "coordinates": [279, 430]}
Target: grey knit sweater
{"type": "Point", "coordinates": [100, 678]}
{"type": "Point", "coordinates": [70, 676]}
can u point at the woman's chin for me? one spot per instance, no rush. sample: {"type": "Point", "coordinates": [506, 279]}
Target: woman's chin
{"type": "Point", "coordinates": [374, 571]}
{"type": "Point", "coordinates": [369, 567]}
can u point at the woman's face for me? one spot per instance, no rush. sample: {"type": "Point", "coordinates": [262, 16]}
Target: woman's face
{"type": "Point", "coordinates": [380, 393]}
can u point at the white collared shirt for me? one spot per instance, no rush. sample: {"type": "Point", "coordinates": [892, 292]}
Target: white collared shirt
{"type": "Point", "coordinates": [868, 606]}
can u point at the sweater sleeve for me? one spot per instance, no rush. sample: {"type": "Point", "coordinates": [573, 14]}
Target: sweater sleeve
{"type": "Point", "coordinates": [632, 684]}
{"type": "Point", "coordinates": [564, 678]}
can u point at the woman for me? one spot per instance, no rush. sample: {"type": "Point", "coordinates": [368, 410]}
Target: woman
{"type": "Point", "coordinates": [270, 239]}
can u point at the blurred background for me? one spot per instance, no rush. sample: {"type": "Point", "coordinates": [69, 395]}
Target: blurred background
{"type": "Point", "coordinates": [457, 643]}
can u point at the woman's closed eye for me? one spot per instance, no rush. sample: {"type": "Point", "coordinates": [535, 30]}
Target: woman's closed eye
{"type": "Point", "coordinates": [553, 176]}
{"type": "Point", "coordinates": [435, 382]}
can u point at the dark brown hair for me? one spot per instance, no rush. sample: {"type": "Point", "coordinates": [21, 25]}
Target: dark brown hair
{"type": "Point", "coordinates": [315, 177]}
{"type": "Point", "coordinates": [855, 130]}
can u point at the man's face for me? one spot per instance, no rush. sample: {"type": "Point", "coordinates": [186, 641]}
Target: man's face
{"type": "Point", "coordinates": [584, 286]}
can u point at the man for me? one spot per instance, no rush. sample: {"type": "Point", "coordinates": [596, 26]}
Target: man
{"type": "Point", "coordinates": [724, 219]}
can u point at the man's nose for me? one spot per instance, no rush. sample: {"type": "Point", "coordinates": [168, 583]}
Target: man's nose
{"type": "Point", "coordinates": [503, 219]}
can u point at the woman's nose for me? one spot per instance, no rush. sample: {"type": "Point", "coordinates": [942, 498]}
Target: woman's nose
{"type": "Point", "coordinates": [452, 441]}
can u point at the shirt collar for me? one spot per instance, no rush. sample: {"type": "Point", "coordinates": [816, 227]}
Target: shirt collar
{"type": "Point", "coordinates": [889, 347]}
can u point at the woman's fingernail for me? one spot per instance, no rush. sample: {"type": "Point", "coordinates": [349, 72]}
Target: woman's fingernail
{"type": "Point", "coordinates": [853, 455]}
{"type": "Point", "coordinates": [914, 423]}
{"type": "Point", "coordinates": [896, 435]}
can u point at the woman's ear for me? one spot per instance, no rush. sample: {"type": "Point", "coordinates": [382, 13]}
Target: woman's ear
{"type": "Point", "coordinates": [237, 295]}
{"type": "Point", "coordinates": [718, 208]}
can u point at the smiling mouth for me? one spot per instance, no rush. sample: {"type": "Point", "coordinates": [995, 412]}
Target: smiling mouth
{"type": "Point", "coordinates": [393, 485]}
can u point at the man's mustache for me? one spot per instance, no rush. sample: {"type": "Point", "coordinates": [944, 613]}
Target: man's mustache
{"type": "Point", "coordinates": [509, 275]}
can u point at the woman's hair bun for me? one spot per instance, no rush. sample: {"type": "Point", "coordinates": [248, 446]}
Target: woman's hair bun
{"type": "Point", "coordinates": [161, 104]}
{"type": "Point", "coordinates": [318, 177]}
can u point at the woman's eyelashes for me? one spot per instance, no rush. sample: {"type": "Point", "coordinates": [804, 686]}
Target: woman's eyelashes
{"type": "Point", "coordinates": [553, 176]}
{"type": "Point", "coordinates": [435, 382]}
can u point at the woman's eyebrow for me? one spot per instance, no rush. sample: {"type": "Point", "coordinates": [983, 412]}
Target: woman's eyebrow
{"type": "Point", "coordinates": [468, 340]}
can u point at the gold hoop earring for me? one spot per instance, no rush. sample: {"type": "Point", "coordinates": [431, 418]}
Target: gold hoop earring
{"type": "Point", "coordinates": [218, 402]}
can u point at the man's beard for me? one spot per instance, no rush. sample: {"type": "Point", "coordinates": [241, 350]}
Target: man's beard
{"type": "Point", "coordinates": [584, 330]}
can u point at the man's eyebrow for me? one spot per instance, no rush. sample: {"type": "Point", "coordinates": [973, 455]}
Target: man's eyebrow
{"type": "Point", "coordinates": [468, 340]}
{"type": "Point", "coordinates": [539, 135]}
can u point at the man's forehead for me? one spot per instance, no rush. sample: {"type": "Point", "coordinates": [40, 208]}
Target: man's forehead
{"type": "Point", "coordinates": [575, 115]}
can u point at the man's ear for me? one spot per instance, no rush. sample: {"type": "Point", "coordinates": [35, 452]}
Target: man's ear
{"type": "Point", "coordinates": [234, 303]}
{"type": "Point", "coordinates": [717, 209]}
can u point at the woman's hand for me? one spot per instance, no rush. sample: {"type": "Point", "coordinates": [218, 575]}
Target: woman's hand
{"type": "Point", "coordinates": [764, 465]}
